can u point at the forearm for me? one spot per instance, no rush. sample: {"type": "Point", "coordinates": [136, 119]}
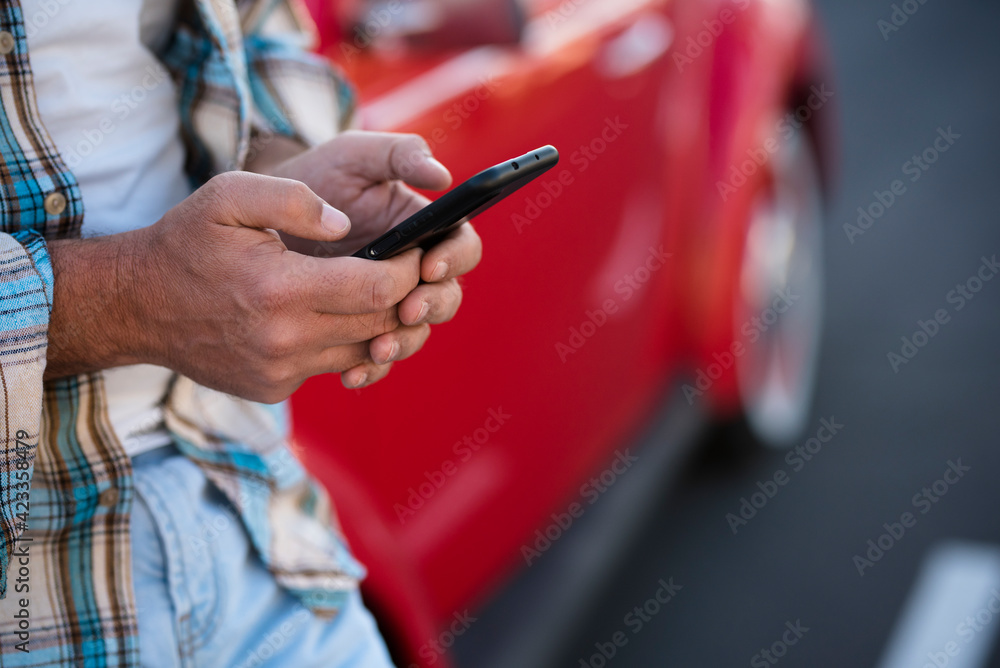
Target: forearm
{"type": "Point", "coordinates": [95, 323]}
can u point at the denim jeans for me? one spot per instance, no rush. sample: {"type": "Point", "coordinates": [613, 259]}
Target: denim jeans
{"type": "Point", "coordinates": [205, 598]}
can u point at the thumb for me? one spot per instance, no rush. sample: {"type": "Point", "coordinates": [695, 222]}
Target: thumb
{"type": "Point", "coordinates": [267, 202]}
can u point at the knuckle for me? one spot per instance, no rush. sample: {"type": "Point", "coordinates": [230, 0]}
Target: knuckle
{"type": "Point", "coordinates": [382, 293]}
{"type": "Point", "coordinates": [212, 188]}
{"type": "Point", "coordinates": [454, 299]}
{"type": "Point", "coordinates": [387, 321]}
{"type": "Point", "coordinates": [420, 336]}
{"type": "Point", "coordinates": [448, 301]}
{"type": "Point", "coordinates": [476, 250]}
{"type": "Point", "coordinates": [223, 181]}
{"type": "Point", "coordinates": [297, 201]}
{"type": "Point", "coordinates": [275, 344]}
{"type": "Point", "coordinates": [415, 142]}
{"type": "Point", "coordinates": [221, 192]}
{"type": "Point", "coordinates": [277, 378]}
{"type": "Point", "coordinates": [378, 372]}
{"type": "Point", "coordinates": [349, 359]}
{"type": "Point", "coordinates": [406, 152]}
{"type": "Point", "coordinates": [272, 293]}
{"type": "Point", "coordinates": [227, 182]}
{"type": "Point", "coordinates": [273, 395]}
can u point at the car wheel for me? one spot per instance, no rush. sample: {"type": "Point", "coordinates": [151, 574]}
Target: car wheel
{"type": "Point", "coordinates": [780, 293]}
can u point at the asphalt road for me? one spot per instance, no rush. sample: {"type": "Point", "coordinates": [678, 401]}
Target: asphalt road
{"type": "Point", "coordinates": [792, 565]}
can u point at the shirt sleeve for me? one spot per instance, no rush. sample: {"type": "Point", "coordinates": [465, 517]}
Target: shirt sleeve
{"type": "Point", "coordinates": [25, 305]}
{"type": "Point", "coordinates": [296, 93]}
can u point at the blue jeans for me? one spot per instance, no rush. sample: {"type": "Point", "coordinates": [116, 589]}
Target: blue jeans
{"type": "Point", "coordinates": [205, 598]}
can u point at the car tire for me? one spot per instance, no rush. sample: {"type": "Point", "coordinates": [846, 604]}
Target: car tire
{"type": "Point", "coordinates": [779, 304]}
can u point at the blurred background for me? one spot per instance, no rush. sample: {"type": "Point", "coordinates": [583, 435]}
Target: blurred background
{"type": "Point", "coordinates": [728, 542]}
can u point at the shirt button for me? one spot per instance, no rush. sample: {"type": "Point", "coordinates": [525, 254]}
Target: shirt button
{"type": "Point", "coordinates": [7, 42]}
{"type": "Point", "coordinates": [55, 203]}
{"type": "Point", "coordinates": [108, 497]}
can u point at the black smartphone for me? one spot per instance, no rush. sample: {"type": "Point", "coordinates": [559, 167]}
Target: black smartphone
{"type": "Point", "coordinates": [429, 225]}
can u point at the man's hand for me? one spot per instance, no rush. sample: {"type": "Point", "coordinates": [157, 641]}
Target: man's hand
{"type": "Point", "coordinates": [211, 292]}
{"type": "Point", "coordinates": [365, 175]}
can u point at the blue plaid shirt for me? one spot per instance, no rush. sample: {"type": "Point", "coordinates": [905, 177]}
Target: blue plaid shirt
{"type": "Point", "coordinates": [66, 489]}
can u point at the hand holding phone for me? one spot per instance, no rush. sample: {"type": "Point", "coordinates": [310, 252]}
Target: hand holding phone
{"type": "Point", "coordinates": [432, 223]}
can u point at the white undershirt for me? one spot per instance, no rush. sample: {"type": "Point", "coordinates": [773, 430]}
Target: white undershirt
{"type": "Point", "coordinates": [111, 109]}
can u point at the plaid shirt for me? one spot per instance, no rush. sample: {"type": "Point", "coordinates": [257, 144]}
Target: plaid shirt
{"type": "Point", "coordinates": [66, 489]}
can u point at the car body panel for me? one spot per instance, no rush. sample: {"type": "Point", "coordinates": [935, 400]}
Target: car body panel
{"type": "Point", "coordinates": [575, 321]}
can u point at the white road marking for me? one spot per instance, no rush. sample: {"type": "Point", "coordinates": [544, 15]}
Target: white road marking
{"type": "Point", "coordinates": [952, 615]}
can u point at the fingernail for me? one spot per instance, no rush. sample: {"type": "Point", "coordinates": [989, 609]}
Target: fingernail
{"type": "Point", "coordinates": [424, 308]}
{"type": "Point", "coordinates": [334, 221]}
{"type": "Point", "coordinates": [393, 351]}
{"type": "Point", "coordinates": [437, 163]}
{"type": "Point", "coordinates": [358, 381]}
{"type": "Point", "coordinates": [440, 271]}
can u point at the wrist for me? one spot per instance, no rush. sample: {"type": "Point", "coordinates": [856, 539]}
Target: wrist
{"type": "Point", "coordinates": [96, 320]}
{"type": "Point", "coordinates": [137, 288]}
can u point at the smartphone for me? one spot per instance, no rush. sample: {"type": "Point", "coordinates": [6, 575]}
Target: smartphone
{"type": "Point", "coordinates": [429, 225]}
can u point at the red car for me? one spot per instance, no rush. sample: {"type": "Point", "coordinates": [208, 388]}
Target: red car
{"type": "Point", "coordinates": [676, 245]}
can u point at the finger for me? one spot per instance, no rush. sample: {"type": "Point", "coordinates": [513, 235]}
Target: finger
{"type": "Point", "coordinates": [385, 156]}
{"type": "Point", "coordinates": [397, 202]}
{"type": "Point", "coordinates": [400, 203]}
{"type": "Point", "coordinates": [350, 285]}
{"type": "Point", "coordinates": [341, 358]}
{"type": "Point", "coordinates": [398, 344]}
{"type": "Point", "coordinates": [431, 303]}
{"type": "Point", "coordinates": [455, 255]}
{"type": "Point", "coordinates": [364, 375]}
{"type": "Point", "coordinates": [265, 202]}
{"type": "Point", "coordinates": [338, 330]}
